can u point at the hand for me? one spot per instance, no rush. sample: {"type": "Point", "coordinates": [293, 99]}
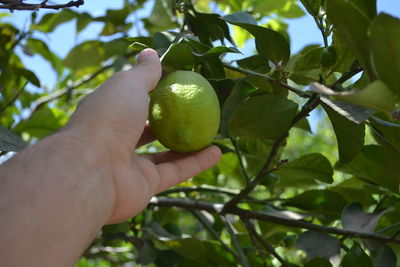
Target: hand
{"type": "Point", "coordinates": [114, 119]}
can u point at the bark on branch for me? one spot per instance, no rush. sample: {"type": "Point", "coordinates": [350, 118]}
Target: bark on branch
{"type": "Point", "coordinates": [21, 5]}
{"type": "Point", "coordinates": [217, 208]}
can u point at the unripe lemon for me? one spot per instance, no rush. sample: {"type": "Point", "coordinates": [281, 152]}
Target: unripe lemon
{"type": "Point", "coordinates": [184, 112]}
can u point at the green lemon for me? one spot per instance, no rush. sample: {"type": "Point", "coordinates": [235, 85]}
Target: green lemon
{"type": "Point", "coordinates": [184, 112]}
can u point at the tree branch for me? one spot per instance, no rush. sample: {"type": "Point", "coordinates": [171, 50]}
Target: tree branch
{"type": "Point", "coordinates": [242, 257]}
{"type": "Point", "coordinates": [261, 216]}
{"type": "Point", "coordinates": [311, 104]}
{"type": "Point", "coordinates": [12, 101]}
{"type": "Point", "coordinates": [200, 188]}
{"type": "Point", "coordinates": [204, 221]}
{"type": "Point", "coordinates": [252, 231]}
{"type": "Point", "coordinates": [20, 5]}
{"type": "Point", "coordinates": [273, 80]}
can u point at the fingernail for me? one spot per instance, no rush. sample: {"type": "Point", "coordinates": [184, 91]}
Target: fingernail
{"type": "Point", "coordinates": [146, 53]}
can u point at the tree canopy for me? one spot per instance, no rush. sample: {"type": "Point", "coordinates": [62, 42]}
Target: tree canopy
{"type": "Point", "coordinates": [282, 194]}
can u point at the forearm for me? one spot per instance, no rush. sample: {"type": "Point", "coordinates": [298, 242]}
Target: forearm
{"type": "Point", "coordinates": [52, 199]}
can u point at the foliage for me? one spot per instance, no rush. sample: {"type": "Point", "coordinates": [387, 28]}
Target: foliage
{"type": "Point", "coordinates": [281, 195]}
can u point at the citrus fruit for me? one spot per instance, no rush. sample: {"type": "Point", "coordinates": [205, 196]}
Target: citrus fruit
{"type": "Point", "coordinates": [184, 112]}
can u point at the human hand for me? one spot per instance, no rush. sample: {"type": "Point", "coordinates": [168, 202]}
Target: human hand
{"type": "Point", "coordinates": [113, 118]}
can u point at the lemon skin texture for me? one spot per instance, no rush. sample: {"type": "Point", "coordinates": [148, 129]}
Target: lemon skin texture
{"type": "Point", "coordinates": [184, 112]}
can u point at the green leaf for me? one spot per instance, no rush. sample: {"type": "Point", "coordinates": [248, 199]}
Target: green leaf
{"type": "Point", "coordinates": [94, 52]}
{"type": "Point", "coordinates": [305, 170]}
{"type": "Point", "coordinates": [214, 52]}
{"type": "Point", "coordinates": [254, 151]}
{"type": "Point", "coordinates": [320, 245]}
{"type": "Point", "coordinates": [9, 141]}
{"type": "Point", "coordinates": [267, 116]}
{"type": "Point", "coordinates": [162, 17]}
{"type": "Point", "coordinates": [344, 13]}
{"type": "Point", "coordinates": [239, 93]}
{"type": "Point", "coordinates": [349, 135]}
{"type": "Point", "coordinates": [321, 201]}
{"type": "Point", "coordinates": [376, 96]}
{"type": "Point", "coordinates": [355, 218]}
{"type": "Point", "coordinates": [366, 7]}
{"type": "Point", "coordinates": [385, 43]}
{"type": "Point", "coordinates": [83, 20]}
{"type": "Point", "coordinates": [309, 60]}
{"type": "Point", "coordinates": [41, 48]}
{"type": "Point", "coordinates": [201, 252]}
{"type": "Point", "coordinates": [344, 58]}
{"type": "Point", "coordinates": [177, 57]}
{"type": "Point", "coordinates": [356, 257]}
{"type": "Point", "coordinates": [44, 122]}
{"type": "Point", "coordinates": [51, 21]}
{"type": "Point", "coordinates": [371, 164]}
{"type": "Point", "coordinates": [29, 75]}
{"type": "Point", "coordinates": [304, 125]}
{"type": "Point", "coordinates": [208, 27]}
{"type": "Point", "coordinates": [388, 130]}
{"type": "Point", "coordinates": [318, 262]}
{"type": "Point", "coordinates": [312, 6]}
{"type": "Point", "coordinates": [352, 112]}
{"type": "Point", "coordinates": [269, 43]}
{"type": "Point", "coordinates": [255, 63]}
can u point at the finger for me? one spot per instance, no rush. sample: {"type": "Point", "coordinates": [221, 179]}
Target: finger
{"type": "Point", "coordinates": [148, 70]}
{"type": "Point", "coordinates": [179, 170]}
{"type": "Point", "coordinates": [165, 156]}
{"type": "Point", "coordinates": [147, 137]}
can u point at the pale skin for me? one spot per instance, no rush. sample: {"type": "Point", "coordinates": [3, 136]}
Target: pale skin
{"type": "Point", "coordinates": [56, 195]}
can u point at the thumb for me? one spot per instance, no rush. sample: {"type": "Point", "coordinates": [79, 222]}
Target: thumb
{"type": "Point", "coordinates": [148, 69]}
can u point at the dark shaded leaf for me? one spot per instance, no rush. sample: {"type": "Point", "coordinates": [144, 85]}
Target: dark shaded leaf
{"type": "Point", "coordinates": [316, 244]}
{"type": "Point", "coordinates": [208, 27]}
{"type": "Point", "coordinates": [384, 256]}
{"type": "Point", "coordinates": [371, 164]}
{"type": "Point", "coordinates": [269, 43]}
{"type": "Point", "coordinates": [177, 57]}
{"type": "Point", "coordinates": [356, 257]}
{"type": "Point", "coordinates": [318, 262]}
{"type": "Point", "coordinates": [355, 218]}
{"type": "Point", "coordinates": [29, 75]}
{"type": "Point", "coordinates": [344, 13]}
{"type": "Point", "coordinates": [322, 201]}
{"type": "Point", "coordinates": [255, 63]}
{"type": "Point", "coordinates": [305, 170]}
{"type": "Point", "coordinates": [312, 6]}
{"type": "Point", "coordinates": [239, 93]}
{"type": "Point", "coordinates": [385, 40]}
{"type": "Point", "coordinates": [9, 141]}
{"type": "Point", "coordinates": [267, 116]}
{"type": "Point", "coordinates": [349, 135]}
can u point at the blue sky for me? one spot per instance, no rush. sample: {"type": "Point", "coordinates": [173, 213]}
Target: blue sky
{"type": "Point", "coordinates": [302, 32]}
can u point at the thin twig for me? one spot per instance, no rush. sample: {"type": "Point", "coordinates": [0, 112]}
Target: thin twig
{"type": "Point", "coordinates": [24, 6]}
{"type": "Point", "coordinates": [217, 208]}
{"type": "Point", "coordinates": [242, 257]}
{"type": "Point", "coordinates": [311, 104]}
{"type": "Point", "coordinates": [319, 22]}
{"type": "Point", "coordinates": [354, 69]}
{"type": "Point", "coordinates": [273, 80]}
{"type": "Point", "coordinates": [204, 221]}
{"type": "Point", "coordinates": [252, 231]}
{"type": "Point", "coordinates": [12, 101]}
{"type": "Point", "coordinates": [237, 152]}
{"type": "Point", "coordinates": [200, 188]}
